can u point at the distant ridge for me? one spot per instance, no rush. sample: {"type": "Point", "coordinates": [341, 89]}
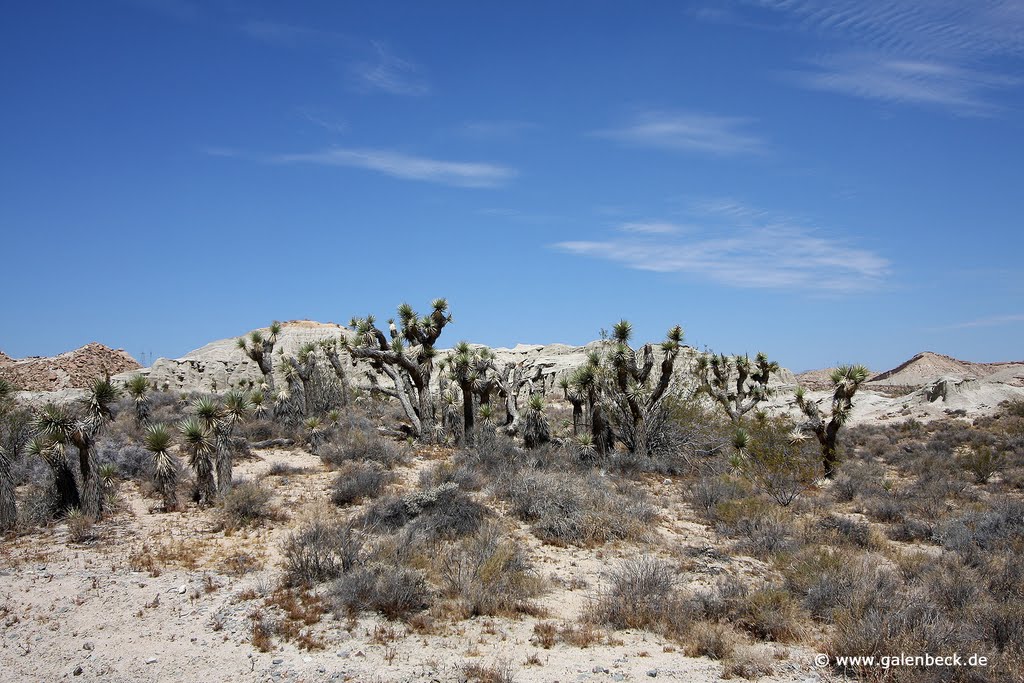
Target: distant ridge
{"type": "Point", "coordinates": [68, 370]}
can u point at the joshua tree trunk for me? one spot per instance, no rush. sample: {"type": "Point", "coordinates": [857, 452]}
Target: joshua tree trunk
{"type": "Point", "coordinates": [224, 474]}
{"type": "Point", "coordinates": [65, 487]}
{"type": "Point", "coordinates": [206, 487]}
{"type": "Point", "coordinates": [8, 507]}
{"type": "Point", "coordinates": [829, 450]}
{"type": "Point", "coordinates": [339, 372]}
{"type": "Point", "coordinates": [468, 415]}
{"type": "Point", "coordinates": [91, 503]}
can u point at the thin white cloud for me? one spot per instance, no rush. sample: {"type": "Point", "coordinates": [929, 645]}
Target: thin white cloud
{"type": "Point", "coordinates": [650, 228]}
{"type": "Point", "coordinates": [398, 165]}
{"type": "Point", "coordinates": [940, 53]}
{"type": "Point", "coordinates": [494, 130]}
{"type": "Point", "coordinates": [388, 73]}
{"type": "Point", "coordinates": [750, 253]}
{"type": "Point", "coordinates": [875, 76]}
{"type": "Point", "coordinates": [993, 321]}
{"type": "Point", "coordinates": [689, 132]}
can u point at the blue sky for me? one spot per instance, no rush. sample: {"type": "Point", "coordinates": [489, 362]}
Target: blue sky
{"type": "Point", "coordinates": [825, 181]}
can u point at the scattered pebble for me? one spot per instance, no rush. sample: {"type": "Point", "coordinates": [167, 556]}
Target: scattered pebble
{"type": "Point", "coordinates": [77, 671]}
{"type": "Point", "coordinates": [151, 660]}
{"type": "Point", "coordinates": [87, 645]}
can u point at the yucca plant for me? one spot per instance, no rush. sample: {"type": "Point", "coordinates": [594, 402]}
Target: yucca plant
{"type": "Point", "coordinates": [260, 348]}
{"type": "Point", "coordinates": [54, 454]}
{"type": "Point", "coordinates": [846, 380]}
{"type": "Point", "coordinates": [536, 430]}
{"type": "Point", "coordinates": [137, 387]}
{"type": "Point", "coordinates": [734, 382]}
{"type": "Point", "coordinates": [409, 369]}
{"type": "Point", "coordinates": [198, 443]}
{"type": "Point", "coordinates": [258, 401]}
{"type": "Point", "coordinates": [81, 430]}
{"type": "Point", "coordinates": [165, 465]}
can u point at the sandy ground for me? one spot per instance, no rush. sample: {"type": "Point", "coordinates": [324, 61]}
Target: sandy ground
{"type": "Point", "coordinates": [167, 597]}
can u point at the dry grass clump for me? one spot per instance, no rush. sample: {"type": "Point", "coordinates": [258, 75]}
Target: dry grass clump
{"type": "Point", "coordinates": [767, 613]}
{"type": "Point", "coordinates": [499, 672]}
{"type": "Point", "coordinates": [643, 595]}
{"type": "Point", "coordinates": [246, 504]}
{"type": "Point", "coordinates": [566, 509]}
{"type": "Point", "coordinates": [489, 574]}
{"type": "Point", "coordinates": [361, 445]}
{"type": "Point", "coordinates": [394, 591]}
{"type": "Point", "coordinates": [748, 663]}
{"type": "Point", "coordinates": [444, 512]}
{"type": "Point", "coordinates": [712, 640]}
{"type": "Point", "coordinates": [321, 551]}
{"type": "Point", "coordinates": [763, 529]}
{"type": "Point", "coordinates": [357, 481]}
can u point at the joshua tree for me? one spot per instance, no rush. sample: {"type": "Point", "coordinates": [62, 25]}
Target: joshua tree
{"type": "Point", "coordinates": [81, 431]}
{"type": "Point", "coordinates": [8, 506]}
{"type": "Point", "coordinates": [331, 349]}
{"type": "Point", "coordinates": [468, 368]}
{"type": "Point", "coordinates": [409, 368]}
{"type": "Point", "coordinates": [298, 372]}
{"type": "Point", "coordinates": [589, 381]}
{"type": "Point", "coordinates": [199, 444]}
{"type": "Point", "coordinates": [260, 349]}
{"type": "Point", "coordinates": [725, 380]}
{"type": "Point", "coordinates": [236, 409]}
{"type": "Point", "coordinates": [846, 379]}
{"type": "Point", "coordinates": [158, 442]}
{"type": "Point", "coordinates": [138, 388]}
{"type": "Point", "coordinates": [571, 392]}
{"type": "Point", "coordinates": [631, 372]}
{"type": "Point", "coordinates": [54, 454]}
{"type": "Point", "coordinates": [536, 431]}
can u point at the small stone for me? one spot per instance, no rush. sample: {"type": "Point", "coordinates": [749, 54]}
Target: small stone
{"type": "Point", "coordinates": [182, 590]}
{"type": "Point", "coordinates": [599, 670]}
{"type": "Point", "coordinates": [653, 673]}
{"type": "Point", "coordinates": [151, 660]}
{"type": "Point", "coordinates": [344, 654]}
{"type": "Point", "coordinates": [666, 482]}
{"type": "Point", "coordinates": [618, 677]}
{"type": "Point", "coordinates": [307, 659]}
{"type": "Point", "coordinates": [87, 645]}
{"type": "Point", "coordinates": [278, 661]}
{"type": "Point", "coordinates": [77, 671]}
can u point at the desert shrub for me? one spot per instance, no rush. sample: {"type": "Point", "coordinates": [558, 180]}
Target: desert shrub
{"type": "Point", "coordinates": [748, 663]}
{"type": "Point", "coordinates": [774, 463]}
{"type": "Point", "coordinates": [976, 533]}
{"type": "Point", "coordinates": [851, 531]}
{"type": "Point", "coordinates": [357, 481]}
{"type": "Point", "coordinates": [247, 503]}
{"type": "Point", "coordinates": [565, 509]}
{"type": "Point", "coordinates": [910, 530]}
{"type": "Point", "coordinates": [642, 595]}
{"type": "Point", "coordinates": [284, 469]}
{"type": "Point", "coordinates": [712, 640]}
{"type": "Point", "coordinates": [767, 613]}
{"type": "Point", "coordinates": [35, 505]}
{"type": "Point", "coordinates": [709, 491]}
{"type": "Point", "coordinates": [457, 471]}
{"type": "Point", "coordinates": [763, 530]}
{"type": "Point", "coordinates": [80, 527]}
{"type": "Point", "coordinates": [981, 462]}
{"type": "Point", "coordinates": [442, 512]}
{"type": "Point", "coordinates": [321, 551]}
{"type": "Point", "coordinates": [825, 579]}
{"type": "Point", "coordinates": [262, 430]}
{"type": "Point", "coordinates": [361, 446]}
{"type": "Point", "coordinates": [490, 574]}
{"type": "Point", "coordinates": [500, 672]}
{"type": "Point", "coordinates": [131, 459]}
{"type": "Point", "coordinates": [395, 592]}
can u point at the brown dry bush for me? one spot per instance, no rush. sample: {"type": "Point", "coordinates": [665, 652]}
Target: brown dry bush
{"type": "Point", "coordinates": [643, 595]}
{"type": "Point", "coordinates": [489, 574]}
{"type": "Point", "coordinates": [357, 481]}
{"type": "Point", "coordinates": [247, 503]}
{"type": "Point", "coordinates": [565, 509]}
{"type": "Point", "coordinates": [444, 512]}
{"type": "Point", "coordinates": [361, 444]}
{"type": "Point", "coordinates": [321, 551]}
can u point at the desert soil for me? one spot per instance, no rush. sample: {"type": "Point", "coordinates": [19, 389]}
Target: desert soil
{"type": "Point", "coordinates": [168, 597]}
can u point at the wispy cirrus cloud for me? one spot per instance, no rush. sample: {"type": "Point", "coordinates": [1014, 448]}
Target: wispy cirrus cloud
{"type": "Point", "coordinates": [689, 132]}
{"type": "Point", "coordinates": [650, 228]}
{"type": "Point", "coordinates": [408, 167]}
{"type": "Point", "coordinates": [388, 73]}
{"type": "Point", "coordinates": [938, 53]}
{"type": "Point", "coordinates": [901, 80]}
{"type": "Point", "coordinates": [751, 252]}
{"type": "Point", "coordinates": [992, 321]}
